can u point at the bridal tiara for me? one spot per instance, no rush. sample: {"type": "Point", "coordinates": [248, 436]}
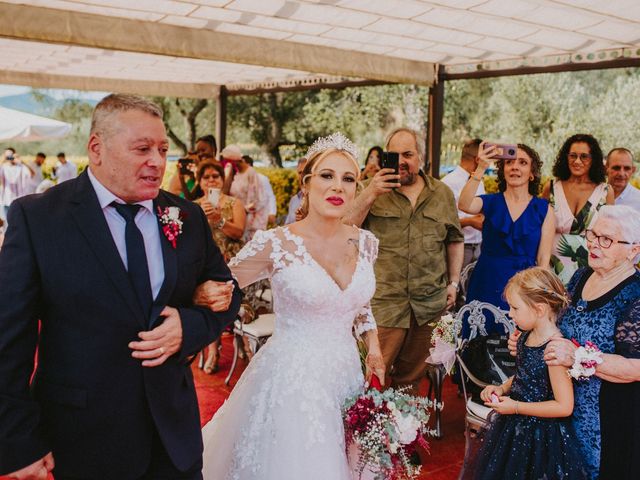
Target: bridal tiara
{"type": "Point", "coordinates": [336, 140]}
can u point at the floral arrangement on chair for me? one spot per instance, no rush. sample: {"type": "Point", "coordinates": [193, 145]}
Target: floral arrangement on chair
{"type": "Point", "coordinates": [444, 341]}
{"type": "Point", "coordinates": [384, 429]}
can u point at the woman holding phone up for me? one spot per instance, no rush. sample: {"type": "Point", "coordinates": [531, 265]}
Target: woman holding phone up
{"type": "Point", "coordinates": [518, 228]}
{"type": "Point", "coordinates": [227, 219]}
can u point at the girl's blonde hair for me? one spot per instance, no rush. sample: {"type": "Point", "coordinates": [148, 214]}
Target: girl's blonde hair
{"type": "Point", "coordinates": [539, 285]}
{"type": "Point", "coordinates": [310, 168]}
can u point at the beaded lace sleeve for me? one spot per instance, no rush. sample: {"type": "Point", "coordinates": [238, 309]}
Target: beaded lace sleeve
{"type": "Point", "coordinates": [364, 320]}
{"type": "Point", "coordinates": [254, 262]}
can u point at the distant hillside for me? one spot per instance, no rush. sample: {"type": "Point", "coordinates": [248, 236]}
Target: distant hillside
{"type": "Point", "coordinates": [26, 102]}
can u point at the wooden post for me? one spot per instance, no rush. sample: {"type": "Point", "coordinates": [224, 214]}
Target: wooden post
{"type": "Point", "coordinates": [434, 128]}
{"type": "Point", "coordinates": [221, 118]}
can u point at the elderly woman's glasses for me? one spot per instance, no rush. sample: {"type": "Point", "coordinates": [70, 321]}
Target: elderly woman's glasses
{"type": "Point", "coordinates": [210, 176]}
{"type": "Point", "coordinates": [603, 240]}
{"type": "Point", "coordinates": [584, 157]}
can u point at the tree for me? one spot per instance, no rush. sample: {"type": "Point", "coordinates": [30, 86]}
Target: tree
{"type": "Point", "coordinates": [183, 120]}
{"type": "Point", "coordinates": [266, 117]}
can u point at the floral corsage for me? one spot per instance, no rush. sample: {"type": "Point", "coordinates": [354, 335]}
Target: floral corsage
{"type": "Point", "coordinates": [586, 358]}
{"type": "Point", "coordinates": [171, 220]}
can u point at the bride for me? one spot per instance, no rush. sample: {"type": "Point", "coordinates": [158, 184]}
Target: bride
{"type": "Point", "coordinates": [283, 419]}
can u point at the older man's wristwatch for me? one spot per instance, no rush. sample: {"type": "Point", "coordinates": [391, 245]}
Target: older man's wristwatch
{"type": "Point", "coordinates": [455, 284]}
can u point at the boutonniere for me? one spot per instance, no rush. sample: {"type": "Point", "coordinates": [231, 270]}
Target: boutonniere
{"type": "Point", "coordinates": [171, 220]}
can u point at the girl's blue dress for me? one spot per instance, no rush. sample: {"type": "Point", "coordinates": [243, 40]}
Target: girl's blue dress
{"type": "Point", "coordinates": [518, 447]}
{"type": "Point", "coordinates": [507, 248]}
{"type": "Point", "coordinates": [594, 320]}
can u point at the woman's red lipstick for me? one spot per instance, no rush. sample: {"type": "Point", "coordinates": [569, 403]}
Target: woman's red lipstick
{"type": "Point", "coordinates": [337, 201]}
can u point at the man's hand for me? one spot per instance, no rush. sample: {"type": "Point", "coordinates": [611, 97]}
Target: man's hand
{"type": "Point", "coordinates": [38, 470]}
{"type": "Point", "coordinates": [160, 343]}
{"type": "Point", "coordinates": [452, 293]}
{"type": "Point", "coordinates": [383, 182]}
{"type": "Point", "coordinates": [215, 295]}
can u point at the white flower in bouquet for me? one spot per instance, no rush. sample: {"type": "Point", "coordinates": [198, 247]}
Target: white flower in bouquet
{"type": "Point", "coordinates": [406, 427]}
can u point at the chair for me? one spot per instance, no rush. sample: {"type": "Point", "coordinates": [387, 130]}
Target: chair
{"type": "Point", "coordinates": [256, 333]}
{"type": "Point", "coordinates": [476, 413]}
{"type": "Point", "coordinates": [465, 277]}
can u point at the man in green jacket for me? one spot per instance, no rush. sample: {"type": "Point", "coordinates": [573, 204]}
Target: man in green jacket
{"type": "Point", "coordinates": [415, 218]}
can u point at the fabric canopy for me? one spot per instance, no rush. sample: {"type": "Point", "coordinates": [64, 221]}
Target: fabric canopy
{"type": "Point", "coordinates": [192, 47]}
{"type": "Point", "coordinates": [24, 127]}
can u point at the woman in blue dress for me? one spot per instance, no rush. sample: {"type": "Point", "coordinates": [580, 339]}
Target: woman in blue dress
{"type": "Point", "coordinates": [601, 296]}
{"type": "Point", "coordinates": [518, 227]}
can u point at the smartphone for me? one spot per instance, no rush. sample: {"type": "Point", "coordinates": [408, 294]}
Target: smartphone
{"type": "Point", "coordinates": [390, 160]}
{"type": "Point", "coordinates": [214, 196]}
{"type": "Point", "coordinates": [184, 164]}
{"type": "Point", "coordinates": [504, 151]}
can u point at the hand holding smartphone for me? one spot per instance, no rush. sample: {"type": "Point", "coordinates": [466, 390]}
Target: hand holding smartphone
{"type": "Point", "coordinates": [503, 151]}
{"type": "Point", "coordinates": [214, 196]}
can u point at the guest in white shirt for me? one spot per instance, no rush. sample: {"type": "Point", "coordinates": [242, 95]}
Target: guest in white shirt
{"type": "Point", "coordinates": [272, 204]}
{"type": "Point", "coordinates": [36, 170]}
{"type": "Point", "coordinates": [15, 179]}
{"type": "Point", "coordinates": [66, 170]}
{"type": "Point", "coordinates": [620, 169]}
{"type": "Point", "coordinates": [296, 200]}
{"type": "Point", "coordinates": [456, 180]}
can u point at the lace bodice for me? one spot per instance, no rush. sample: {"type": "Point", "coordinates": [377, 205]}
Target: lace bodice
{"type": "Point", "coordinates": [304, 295]}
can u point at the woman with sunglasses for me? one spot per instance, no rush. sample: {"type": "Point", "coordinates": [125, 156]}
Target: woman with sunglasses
{"type": "Point", "coordinates": [227, 219]}
{"type": "Point", "coordinates": [578, 191]}
{"type": "Point", "coordinates": [605, 310]}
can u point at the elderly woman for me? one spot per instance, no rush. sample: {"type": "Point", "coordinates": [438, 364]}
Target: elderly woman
{"type": "Point", "coordinates": [578, 191]}
{"type": "Point", "coordinates": [518, 227]}
{"type": "Point", "coordinates": [605, 311]}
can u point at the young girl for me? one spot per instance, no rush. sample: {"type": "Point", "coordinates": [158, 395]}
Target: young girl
{"type": "Point", "coordinates": [529, 435]}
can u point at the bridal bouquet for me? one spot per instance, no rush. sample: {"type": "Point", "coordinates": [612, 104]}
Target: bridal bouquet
{"type": "Point", "coordinates": [444, 340]}
{"type": "Point", "coordinates": [385, 428]}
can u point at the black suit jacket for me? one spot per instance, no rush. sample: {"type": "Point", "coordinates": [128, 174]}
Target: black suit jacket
{"type": "Point", "coordinates": [90, 402]}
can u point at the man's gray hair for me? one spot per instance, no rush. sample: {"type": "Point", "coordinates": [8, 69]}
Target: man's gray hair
{"type": "Point", "coordinates": [628, 218]}
{"type": "Point", "coordinates": [417, 136]}
{"type": "Point", "coordinates": [117, 103]}
{"type": "Point", "coordinates": [620, 150]}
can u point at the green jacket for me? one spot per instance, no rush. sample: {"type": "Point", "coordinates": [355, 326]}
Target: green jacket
{"type": "Point", "coordinates": [411, 270]}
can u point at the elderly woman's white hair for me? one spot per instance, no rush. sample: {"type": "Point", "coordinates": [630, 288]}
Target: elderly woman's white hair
{"type": "Point", "coordinates": [628, 218]}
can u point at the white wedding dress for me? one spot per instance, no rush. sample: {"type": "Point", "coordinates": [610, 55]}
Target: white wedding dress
{"type": "Point", "coordinates": [283, 419]}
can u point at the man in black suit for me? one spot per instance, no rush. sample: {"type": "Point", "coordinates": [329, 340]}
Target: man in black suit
{"type": "Point", "coordinates": [109, 264]}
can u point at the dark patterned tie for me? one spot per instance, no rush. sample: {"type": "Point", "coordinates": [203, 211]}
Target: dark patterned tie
{"type": "Point", "coordinates": [136, 256]}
